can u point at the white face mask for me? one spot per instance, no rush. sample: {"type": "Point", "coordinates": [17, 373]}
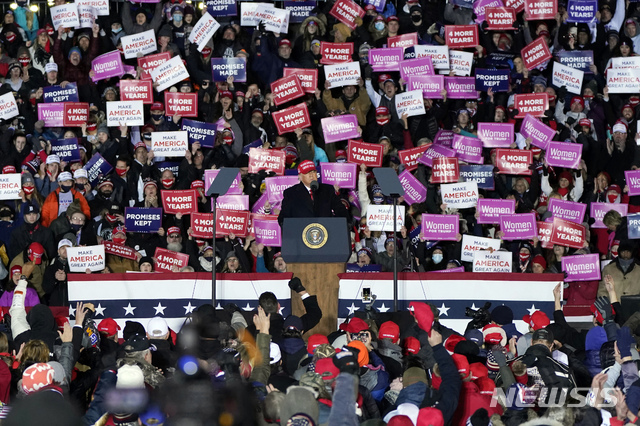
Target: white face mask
{"type": "Point", "coordinates": [437, 258]}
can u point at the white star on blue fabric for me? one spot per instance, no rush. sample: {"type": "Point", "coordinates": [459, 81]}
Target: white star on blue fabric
{"type": "Point", "coordinates": [280, 310]}
{"type": "Point", "coordinates": [72, 311]}
{"type": "Point", "coordinates": [100, 310]}
{"type": "Point", "coordinates": [129, 309]}
{"type": "Point", "coordinates": [188, 309]}
{"type": "Point", "coordinates": [247, 308]}
{"type": "Point", "coordinates": [353, 308]}
{"type": "Point", "coordinates": [218, 306]}
{"type": "Point", "coordinates": [443, 310]}
{"type": "Point", "coordinates": [159, 309]}
{"type": "Point", "coordinates": [532, 309]}
{"type": "Point", "coordinates": [383, 309]}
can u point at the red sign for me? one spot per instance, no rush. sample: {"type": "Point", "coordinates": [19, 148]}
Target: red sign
{"type": "Point", "coordinates": [567, 234]}
{"type": "Point", "coordinates": [202, 225]}
{"type": "Point", "coordinates": [182, 104]}
{"type": "Point", "coordinates": [347, 12]}
{"type": "Point", "coordinates": [539, 10]}
{"type": "Point", "coordinates": [535, 53]}
{"type": "Point", "coordinates": [267, 159]}
{"type": "Point", "coordinates": [531, 103]}
{"type": "Point", "coordinates": [167, 260]}
{"type": "Point", "coordinates": [136, 90]}
{"type": "Point", "coordinates": [182, 201]}
{"type": "Point", "coordinates": [514, 161]}
{"type": "Point", "coordinates": [335, 53]}
{"type": "Point", "coordinates": [150, 62]}
{"type": "Point", "coordinates": [461, 36]}
{"type": "Point", "coordinates": [500, 18]}
{"type": "Point", "coordinates": [308, 78]}
{"type": "Point", "coordinates": [289, 119]}
{"type": "Point", "coordinates": [518, 5]}
{"type": "Point", "coordinates": [286, 89]}
{"type": "Point", "coordinates": [404, 40]}
{"type": "Point", "coordinates": [119, 250]}
{"type": "Point", "coordinates": [369, 154]}
{"type": "Point", "coordinates": [232, 222]}
{"type": "Point", "coordinates": [445, 170]}
{"type": "Point", "coordinates": [544, 234]}
{"type": "Point", "coordinates": [409, 157]}
{"type": "Point", "coordinates": [75, 114]}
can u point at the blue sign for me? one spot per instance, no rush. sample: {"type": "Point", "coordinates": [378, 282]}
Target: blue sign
{"type": "Point", "coordinates": [379, 4]}
{"type": "Point", "coordinates": [498, 80]}
{"type": "Point", "coordinates": [255, 144]}
{"type": "Point", "coordinates": [498, 59]}
{"type": "Point", "coordinates": [482, 174]}
{"type": "Point", "coordinates": [66, 149]}
{"type": "Point", "coordinates": [224, 67]}
{"type": "Point", "coordinates": [582, 10]}
{"type": "Point", "coordinates": [354, 267]}
{"type": "Point", "coordinates": [578, 59]}
{"type": "Point", "coordinates": [222, 7]}
{"type": "Point", "coordinates": [466, 4]}
{"type": "Point", "coordinates": [54, 94]}
{"type": "Point", "coordinates": [97, 166]}
{"type": "Point", "coordinates": [633, 226]}
{"type": "Point", "coordinates": [300, 10]}
{"type": "Point", "coordinates": [197, 131]}
{"type": "Point", "coordinates": [142, 219]}
{"type": "Point", "coordinates": [169, 165]}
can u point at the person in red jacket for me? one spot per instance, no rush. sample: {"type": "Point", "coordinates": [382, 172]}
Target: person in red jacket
{"type": "Point", "coordinates": [58, 201]}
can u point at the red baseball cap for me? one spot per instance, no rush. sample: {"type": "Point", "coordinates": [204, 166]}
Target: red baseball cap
{"type": "Point", "coordinates": [284, 42]}
{"type": "Point", "coordinates": [173, 230]}
{"type": "Point", "coordinates": [411, 346]}
{"type": "Point", "coordinates": [389, 330]}
{"type": "Point", "coordinates": [462, 364]}
{"type": "Point", "coordinates": [157, 106]}
{"type": "Point", "coordinates": [197, 184]}
{"type": "Point", "coordinates": [382, 110]}
{"type": "Point", "coordinates": [326, 369]}
{"type": "Point", "coordinates": [306, 166]}
{"type": "Point", "coordinates": [315, 341]}
{"type": "Point", "coordinates": [537, 321]}
{"type": "Point", "coordinates": [355, 325]}
{"type": "Point", "coordinates": [108, 326]}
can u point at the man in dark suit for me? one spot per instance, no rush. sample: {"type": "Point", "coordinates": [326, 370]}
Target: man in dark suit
{"type": "Point", "coordinates": [309, 198]}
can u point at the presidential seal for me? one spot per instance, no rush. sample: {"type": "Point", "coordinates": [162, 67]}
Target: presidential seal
{"type": "Point", "coordinates": [314, 236]}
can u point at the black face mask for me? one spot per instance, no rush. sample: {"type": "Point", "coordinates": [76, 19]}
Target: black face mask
{"type": "Point", "coordinates": [65, 188]}
{"type": "Point", "coordinates": [76, 227]}
{"type": "Point", "coordinates": [416, 18]}
{"type": "Point", "coordinates": [157, 117]}
{"type": "Point", "coordinates": [105, 194]}
{"type": "Point", "coordinates": [80, 187]}
{"type": "Point", "coordinates": [5, 213]}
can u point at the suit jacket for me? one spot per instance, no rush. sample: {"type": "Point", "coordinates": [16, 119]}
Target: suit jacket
{"type": "Point", "coordinates": [297, 203]}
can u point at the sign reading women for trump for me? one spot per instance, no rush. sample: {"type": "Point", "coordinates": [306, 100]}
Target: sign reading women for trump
{"type": "Point", "coordinates": [585, 267]}
{"type": "Point", "coordinates": [267, 232]}
{"type": "Point", "coordinates": [564, 154]}
{"type": "Point", "coordinates": [435, 151]}
{"type": "Point", "coordinates": [496, 135]}
{"type": "Point", "coordinates": [415, 67]}
{"type": "Point", "coordinates": [460, 195]}
{"type": "Point", "coordinates": [51, 114]}
{"type": "Point", "coordinates": [139, 44]}
{"type": "Point", "coordinates": [440, 227]}
{"type": "Point", "coordinates": [431, 85]}
{"type": "Point", "coordinates": [344, 175]}
{"type": "Point", "coordinates": [518, 226]}
{"type": "Point", "coordinates": [489, 209]}
{"type": "Point", "coordinates": [340, 128]}
{"type": "Point", "coordinates": [107, 66]}
{"type": "Point", "coordinates": [386, 59]}
{"type": "Point", "coordinates": [541, 134]}
{"type": "Point", "coordinates": [567, 210]}
{"type": "Point", "coordinates": [87, 257]}
{"type": "Point", "coordinates": [414, 190]}
{"type": "Point", "coordinates": [598, 210]}
{"type": "Point", "coordinates": [469, 149]}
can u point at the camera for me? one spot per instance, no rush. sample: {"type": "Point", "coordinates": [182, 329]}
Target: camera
{"type": "Point", "coordinates": [479, 317]}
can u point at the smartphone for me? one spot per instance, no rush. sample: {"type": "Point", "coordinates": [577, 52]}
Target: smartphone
{"type": "Point", "coordinates": [366, 294]}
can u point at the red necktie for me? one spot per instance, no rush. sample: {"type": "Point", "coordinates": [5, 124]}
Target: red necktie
{"type": "Point", "coordinates": [311, 194]}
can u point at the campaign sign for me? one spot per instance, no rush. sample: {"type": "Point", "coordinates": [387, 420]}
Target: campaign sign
{"type": "Point", "coordinates": [101, 6]}
{"type": "Point", "coordinates": [411, 103]}
{"type": "Point", "coordinates": [203, 31]}
{"type": "Point", "coordinates": [500, 18]}
{"type": "Point", "coordinates": [369, 154]}
{"type": "Point", "coordinates": [531, 103]}
{"type": "Point", "coordinates": [440, 227]}
{"type": "Point", "coordinates": [415, 67]}
{"type": "Point", "coordinates": [347, 12]}
{"type": "Point", "coordinates": [450, 270]}
{"type": "Point", "coordinates": [632, 178]}
{"type": "Point", "coordinates": [541, 134]}
{"type": "Point", "coordinates": [471, 244]}
{"type": "Point", "coordinates": [69, 93]}
{"type": "Point", "coordinates": [335, 53]}
{"type": "Point", "coordinates": [51, 114]}
{"type": "Point", "coordinates": [598, 210]}
{"type": "Point", "coordinates": [623, 80]}
{"type": "Point", "coordinates": [498, 80]}
{"type": "Point", "coordinates": [539, 10]}
{"type": "Point", "coordinates": [480, 8]}
{"type": "Point", "coordinates": [535, 53]}
{"type": "Point", "coordinates": [222, 7]}
{"type": "Point", "coordinates": [197, 131]}
{"type": "Point", "coordinates": [461, 62]}
{"type": "Point", "coordinates": [202, 225]}
{"type": "Point", "coordinates": [578, 59]}
{"type": "Point", "coordinates": [345, 175]}
{"type": "Point", "coordinates": [130, 113]}
{"type": "Point", "coordinates": [136, 90]}
{"type": "Point", "coordinates": [544, 234]}
{"type": "Point", "coordinates": [626, 62]}
{"type": "Point", "coordinates": [458, 36]}
{"type": "Point", "coordinates": [386, 59]}
{"type": "Point", "coordinates": [97, 166]}
{"type": "Point", "coordinates": [299, 10]}
{"type": "Point", "coordinates": [340, 128]}
{"type": "Point", "coordinates": [308, 78]}
{"type": "Point", "coordinates": [75, 114]}
{"type": "Point", "coordinates": [633, 226]}
{"type": "Point", "coordinates": [500, 59]}
{"type": "Point", "coordinates": [380, 217]}
{"type": "Point", "coordinates": [274, 19]}
{"type": "Point", "coordinates": [567, 76]}
{"type": "Point", "coordinates": [469, 149]}
{"type": "Point", "coordinates": [276, 186]}
{"type": "Point", "coordinates": [169, 165]}
{"type": "Point", "coordinates": [119, 250]}
{"type": "Point", "coordinates": [414, 190]}
{"type": "Point", "coordinates": [210, 176]}
{"type": "Point", "coordinates": [232, 202]}
{"type": "Point", "coordinates": [445, 170]}
{"type": "Point", "coordinates": [495, 135]}
{"type": "Point", "coordinates": [87, 15]}
{"type": "Point", "coordinates": [107, 66]}
{"type": "Point", "coordinates": [490, 209]}
{"type": "Point", "coordinates": [232, 222]}
{"type": "Point", "coordinates": [567, 234]}
{"type": "Point", "coordinates": [564, 154]}
{"type": "Point", "coordinates": [585, 267]}
{"type": "Point", "coordinates": [461, 87]}
{"type": "Point", "coordinates": [269, 160]}
{"type": "Point", "coordinates": [514, 161]}
{"type": "Point", "coordinates": [139, 44]}
{"type": "Point", "coordinates": [169, 73]}
{"type": "Point", "coordinates": [431, 85]}
{"type": "Point", "coordinates": [168, 260]}
{"type": "Point", "coordinates": [567, 210]}
{"type": "Point", "coordinates": [498, 261]}
{"type": "Point", "coordinates": [222, 68]}
{"type": "Point", "coordinates": [182, 104]}
{"type": "Point", "coordinates": [482, 175]}
{"type": "Point", "coordinates": [268, 232]}
{"type": "Point", "coordinates": [435, 151]}
{"type": "Point", "coordinates": [518, 226]}
{"type": "Point", "coordinates": [518, 5]}
{"type": "Point", "coordinates": [289, 119]}
{"type": "Point", "coordinates": [9, 106]}
{"type": "Point", "coordinates": [378, 4]}
{"type": "Point", "coordinates": [248, 14]}
{"type": "Point", "coordinates": [444, 138]}
{"type": "Point", "coordinates": [150, 62]}
{"type": "Point", "coordinates": [582, 11]}
{"type": "Point", "coordinates": [404, 40]}
{"type": "Point", "coordinates": [10, 186]}
{"type": "Point", "coordinates": [142, 219]}
{"type": "Point", "coordinates": [169, 144]}
{"type": "Point", "coordinates": [461, 195]}
{"type": "Point", "coordinates": [183, 201]}
{"type": "Point", "coordinates": [409, 157]}
{"type": "Point", "coordinates": [65, 16]}
{"type": "Point", "coordinates": [439, 54]}
{"type": "Point", "coordinates": [286, 89]}
{"type": "Point", "coordinates": [86, 257]}
{"type": "Point", "coordinates": [66, 149]}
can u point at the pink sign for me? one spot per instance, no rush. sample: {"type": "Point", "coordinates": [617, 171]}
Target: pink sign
{"type": "Point", "coordinates": [490, 209]}
{"type": "Point", "coordinates": [469, 149]}
{"type": "Point", "coordinates": [585, 267]}
{"type": "Point", "coordinates": [416, 67]}
{"type": "Point", "coordinates": [496, 135]}
{"type": "Point", "coordinates": [386, 59]}
{"type": "Point", "coordinates": [431, 85]}
{"type": "Point", "coordinates": [435, 151]}
{"type": "Point", "coordinates": [52, 114]}
{"type": "Point", "coordinates": [276, 186]}
{"type": "Point", "coordinates": [440, 227]}
{"type": "Point", "coordinates": [518, 226]}
{"type": "Point", "coordinates": [340, 128]}
{"type": "Point", "coordinates": [598, 210]}
{"type": "Point", "coordinates": [444, 138]}
{"type": "Point", "coordinates": [345, 175]}
{"type": "Point", "coordinates": [107, 65]}
{"type": "Point", "coordinates": [564, 154]}
{"type": "Point", "coordinates": [567, 210]}
{"type": "Point", "coordinates": [461, 87]}
{"type": "Point", "coordinates": [633, 180]}
{"type": "Point", "coordinates": [414, 190]}
{"type": "Point", "coordinates": [456, 269]}
{"type": "Point", "coordinates": [540, 133]}
{"type": "Point", "coordinates": [268, 232]}
{"type": "Point", "coordinates": [232, 202]}
{"type": "Point", "coordinates": [480, 6]}
{"type": "Point", "coordinates": [210, 176]}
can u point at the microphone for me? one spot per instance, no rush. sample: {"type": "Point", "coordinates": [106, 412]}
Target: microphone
{"type": "Point", "coordinates": [314, 185]}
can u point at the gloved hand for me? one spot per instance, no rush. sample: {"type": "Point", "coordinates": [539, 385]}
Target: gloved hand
{"type": "Point", "coordinates": [561, 94]}
{"type": "Point", "coordinates": [624, 341]}
{"type": "Point", "coordinates": [603, 305]}
{"type": "Point", "coordinates": [484, 25]}
{"type": "Point", "coordinates": [296, 285]}
{"type": "Point", "coordinates": [499, 356]}
{"type": "Point", "coordinates": [347, 361]}
{"type": "Point", "coordinates": [262, 28]}
{"type": "Point", "coordinates": [433, 29]}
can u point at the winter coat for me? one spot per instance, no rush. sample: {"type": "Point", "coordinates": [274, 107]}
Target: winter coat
{"type": "Point", "coordinates": [624, 284]}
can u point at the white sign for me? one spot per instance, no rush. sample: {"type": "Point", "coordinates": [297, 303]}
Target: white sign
{"type": "Point", "coordinates": [276, 20]}
{"type": "Point", "coordinates": [471, 244]}
{"type": "Point", "coordinates": [130, 113]}
{"type": "Point", "coordinates": [628, 62]}
{"type": "Point", "coordinates": [167, 74]}
{"type": "Point", "coordinates": [88, 257]}
{"type": "Point", "coordinates": [380, 217]}
{"type": "Point", "coordinates": [410, 102]}
{"type": "Point", "coordinates": [623, 80]}
{"type": "Point", "coordinates": [567, 76]}
{"type": "Point", "coordinates": [460, 62]}
{"type": "Point", "coordinates": [248, 13]}
{"type": "Point", "coordinates": [88, 15]}
{"type": "Point", "coordinates": [65, 16]}
{"type": "Point", "coordinates": [439, 55]}
{"type": "Point", "coordinates": [339, 75]}
{"type": "Point", "coordinates": [10, 186]}
{"type": "Point", "coordinates": [101, 6]}
{"type": "Point", "coordinates": [203, 31]}
{"type": "Point", "coordinates": [8, 106]}
{"type": "Point", "coordinates": [461, 195]}
{"type": "Point", "coordinates": [498, 261]}
{"type": "Point", "coordinates": [169, 144]}
{"type": "Point", "coordinates": [139, 44]}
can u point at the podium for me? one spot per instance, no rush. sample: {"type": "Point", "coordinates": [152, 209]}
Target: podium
{"type": "Point", "coordinates": [316, 250]}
